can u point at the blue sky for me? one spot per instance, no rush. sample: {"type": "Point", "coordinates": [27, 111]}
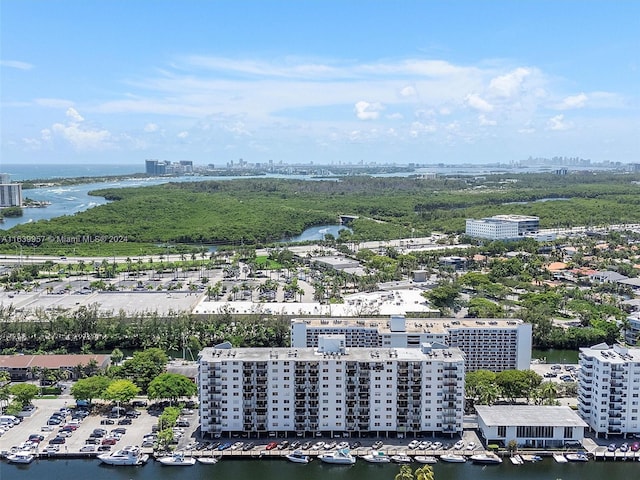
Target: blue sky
{"type": "Point", "coordinates": [97, 81]}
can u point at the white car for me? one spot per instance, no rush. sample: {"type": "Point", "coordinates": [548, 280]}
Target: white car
{"type": "Point", "coordinates": [459, 445]}
{"type": "Point", "coordinates": [414, 444]}
{"type": "Point", "coordinates": [425, 445]}
{"type": "Point", "coordinates": [88, 448]}
{"type": "Point", "coordinates": [343, 445]}
{"type": "Point", "coordinates": [317, 446]}
{"type": "Point", "coordinates": [471, 446]}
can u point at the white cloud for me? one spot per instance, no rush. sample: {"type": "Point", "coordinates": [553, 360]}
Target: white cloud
{"type": "Point", "coordinates": [151, 128]}
{"type": "Point", "coordinates": [80, 138]}
{"type": "Point", "coordinates": [16, 64]}
{"type": "Point", "coordinates": [408, 91]}
{"type": "Point", "coordinates": [419, 128]}
{"type": "Point", "coordinates": [485, 122]}
{"type": "Point", "coordinates": [368, 111]}
{"type": "Point", "coordinates": [574, 101]}
{"type": "Point", "coordinates": [76, 133]}
{"type": "Point", "coordinates": [183, 134]}
{"type": "Point", "coordinates": [73, 114]}
{"type": "Point", "coordinates": [53, 102]}
{"type": "Point", "coordinates": [395, 116]}
{"type": "Point", "coordinates": [474, 101]}
{"type": "Point", "coordinates": [509, 84]}
{"type": "Point", "coordinates": [558, 123]}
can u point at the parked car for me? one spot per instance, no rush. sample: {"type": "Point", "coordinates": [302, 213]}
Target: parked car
{"type": "Point", "coordinates": [109, 441]}
{"type": "Point", "coordinates": [635, 446]}
{"type": "Point", "coordinates": [183, 423]}
{"type": "Point", "coordinates": [88, 448]}
{"type": "Point", "coordinates": [271, 445]}
{"type": "Point", "coordinates": [125, 421]}
{"type": "Point", "coordinates": [413, 444]}
{"type": "Point", "coordinates": [57, 441]}
{"type": "Point", "coordinates": [120, 430]}
{"type": "Point", "coordinates": [106, 421]}
{"type": "Point", "coordinates": [92, 440]}
{"type": "Point", "coordinates": [612, 447]}
{"type": "Point", "coordinates": [36, 437]}
{"type": "Point", "coordinates": [104, 448]}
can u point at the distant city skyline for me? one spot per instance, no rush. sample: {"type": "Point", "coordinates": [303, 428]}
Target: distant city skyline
{"type": "Point", "coordinates": [322, 81]}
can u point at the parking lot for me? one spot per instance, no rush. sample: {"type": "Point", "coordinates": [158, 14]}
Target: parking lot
{"type": "Point", "coordinates": [77, 439]}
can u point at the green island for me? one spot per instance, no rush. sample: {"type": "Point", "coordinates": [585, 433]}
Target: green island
{"type": "Point", "coordinates": [186, 216]}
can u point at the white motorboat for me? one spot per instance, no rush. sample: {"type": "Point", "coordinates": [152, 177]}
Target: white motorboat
{"type": "Point", "coordinates": [339, 457]}
{"type": "Point", "coordinates": [376, 456]}
{"type": "Point", "coordinates": [177, 460]}
{"type": "Point", "coordinates": [428, 459]}
{"type": "Point", "coordinates": [486, 459]}
{"type": "Point", "coordinates": [401, 458]}
{"type": "Point", "coordinates": [577, 457]}
{"type": "Point", "coordinates": [297, 457]}
{"type": "Point", "coordinates": [127, 456]}
{"type": "Point", "coordinates": [21, 457]}
{"type": "Point", "coordinates": [451, 458]}
{"type": "Point", "coordinates": [208, 460]}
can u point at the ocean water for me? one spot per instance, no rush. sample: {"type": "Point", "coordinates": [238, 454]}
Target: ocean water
{"type": "Point", "coordinates": [21, 172]}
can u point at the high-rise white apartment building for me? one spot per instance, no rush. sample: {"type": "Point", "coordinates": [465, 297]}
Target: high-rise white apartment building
{"type": "Point", "coordinates": [609, 389]}
{"type": "Point", "coordinates": [632, 329]}
{"type": "Point", "coordinates": [10, 195]}
{"type": "Point", "coordinates": [331, 389]}
{"type": "Point", "coordinates": [491, 344]}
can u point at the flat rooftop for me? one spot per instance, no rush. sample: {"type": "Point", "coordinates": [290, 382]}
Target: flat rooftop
{"type": "Point", "coordinates": [529, 415]}
{"type": "Point", "coordinates": [401, 302]}
{"type": "Point", "coordinates": [615, 354]}
{"type": "Point", "coordinates": [413, 325]}
{"type": "Point", "coordinates": [212, 354]}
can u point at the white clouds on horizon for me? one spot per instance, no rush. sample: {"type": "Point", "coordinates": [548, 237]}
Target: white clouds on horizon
{"type": "Point", "coordinates": [16, 64]}
{"type": "Point", "coordinates": [256, 103]}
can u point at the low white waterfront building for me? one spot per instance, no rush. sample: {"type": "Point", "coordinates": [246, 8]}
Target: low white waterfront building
{"type": "Point", "coordinates": [530, 425]}
{"type": "Point", "coordinates": [502, 227]}
{"type": "Point", "coordinates": [331, 389]}
{"type": "Point", "coordinates": [609, 389]}
{"type": "Point", "coordinates": [491, 344]}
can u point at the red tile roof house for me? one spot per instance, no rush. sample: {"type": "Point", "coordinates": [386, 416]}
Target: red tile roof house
{"type": "Point", "coordinates": [21, 367]}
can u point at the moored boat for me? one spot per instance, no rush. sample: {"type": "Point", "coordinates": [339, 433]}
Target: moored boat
{"type": "Point", "coordinates": [577, 457]}
{"type": "Point", "coordinates": [339, 457]}
{"type": "Point", "coordinates": [23, 457]}
{"type": "Point", "coordinates": [376, 456]}
{"type": "Point", "coordinates": [177, 460]}
{"type": "Point", "coordinates": [428, 459]}
{"type": "Point", "coordinates": [297, 457]}
{"type": "Point", "coordinates": [452, 458]}
{"type": "Point", "coordinates": [486, 459]}
{"type": "Point", "coordinates": [401, 458]}
{"type": "Point", "coordinates": [128, 455]}
{"type": "Point", "coordinates": [207, 460]}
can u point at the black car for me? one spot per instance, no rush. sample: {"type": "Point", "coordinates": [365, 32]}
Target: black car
{"type": "Point", "coordinates": [107, 421]}
{"type": "Point", "coordinates": [119, 430]}
{"type": "Point", "coordinates": [125, 421]}
{"type": "Point", "coordinates": [54, 421]}
{"type": "Point", "coordinates": [248, 446]}
{"type": "Point", "coordinates": [104, 448]}
{"type": "Point", "coordinates": [92, 440]}
{"type": "Point", "coordinates": [355, 445]}
{"type": "Point", "coordinates": [57, 441]}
